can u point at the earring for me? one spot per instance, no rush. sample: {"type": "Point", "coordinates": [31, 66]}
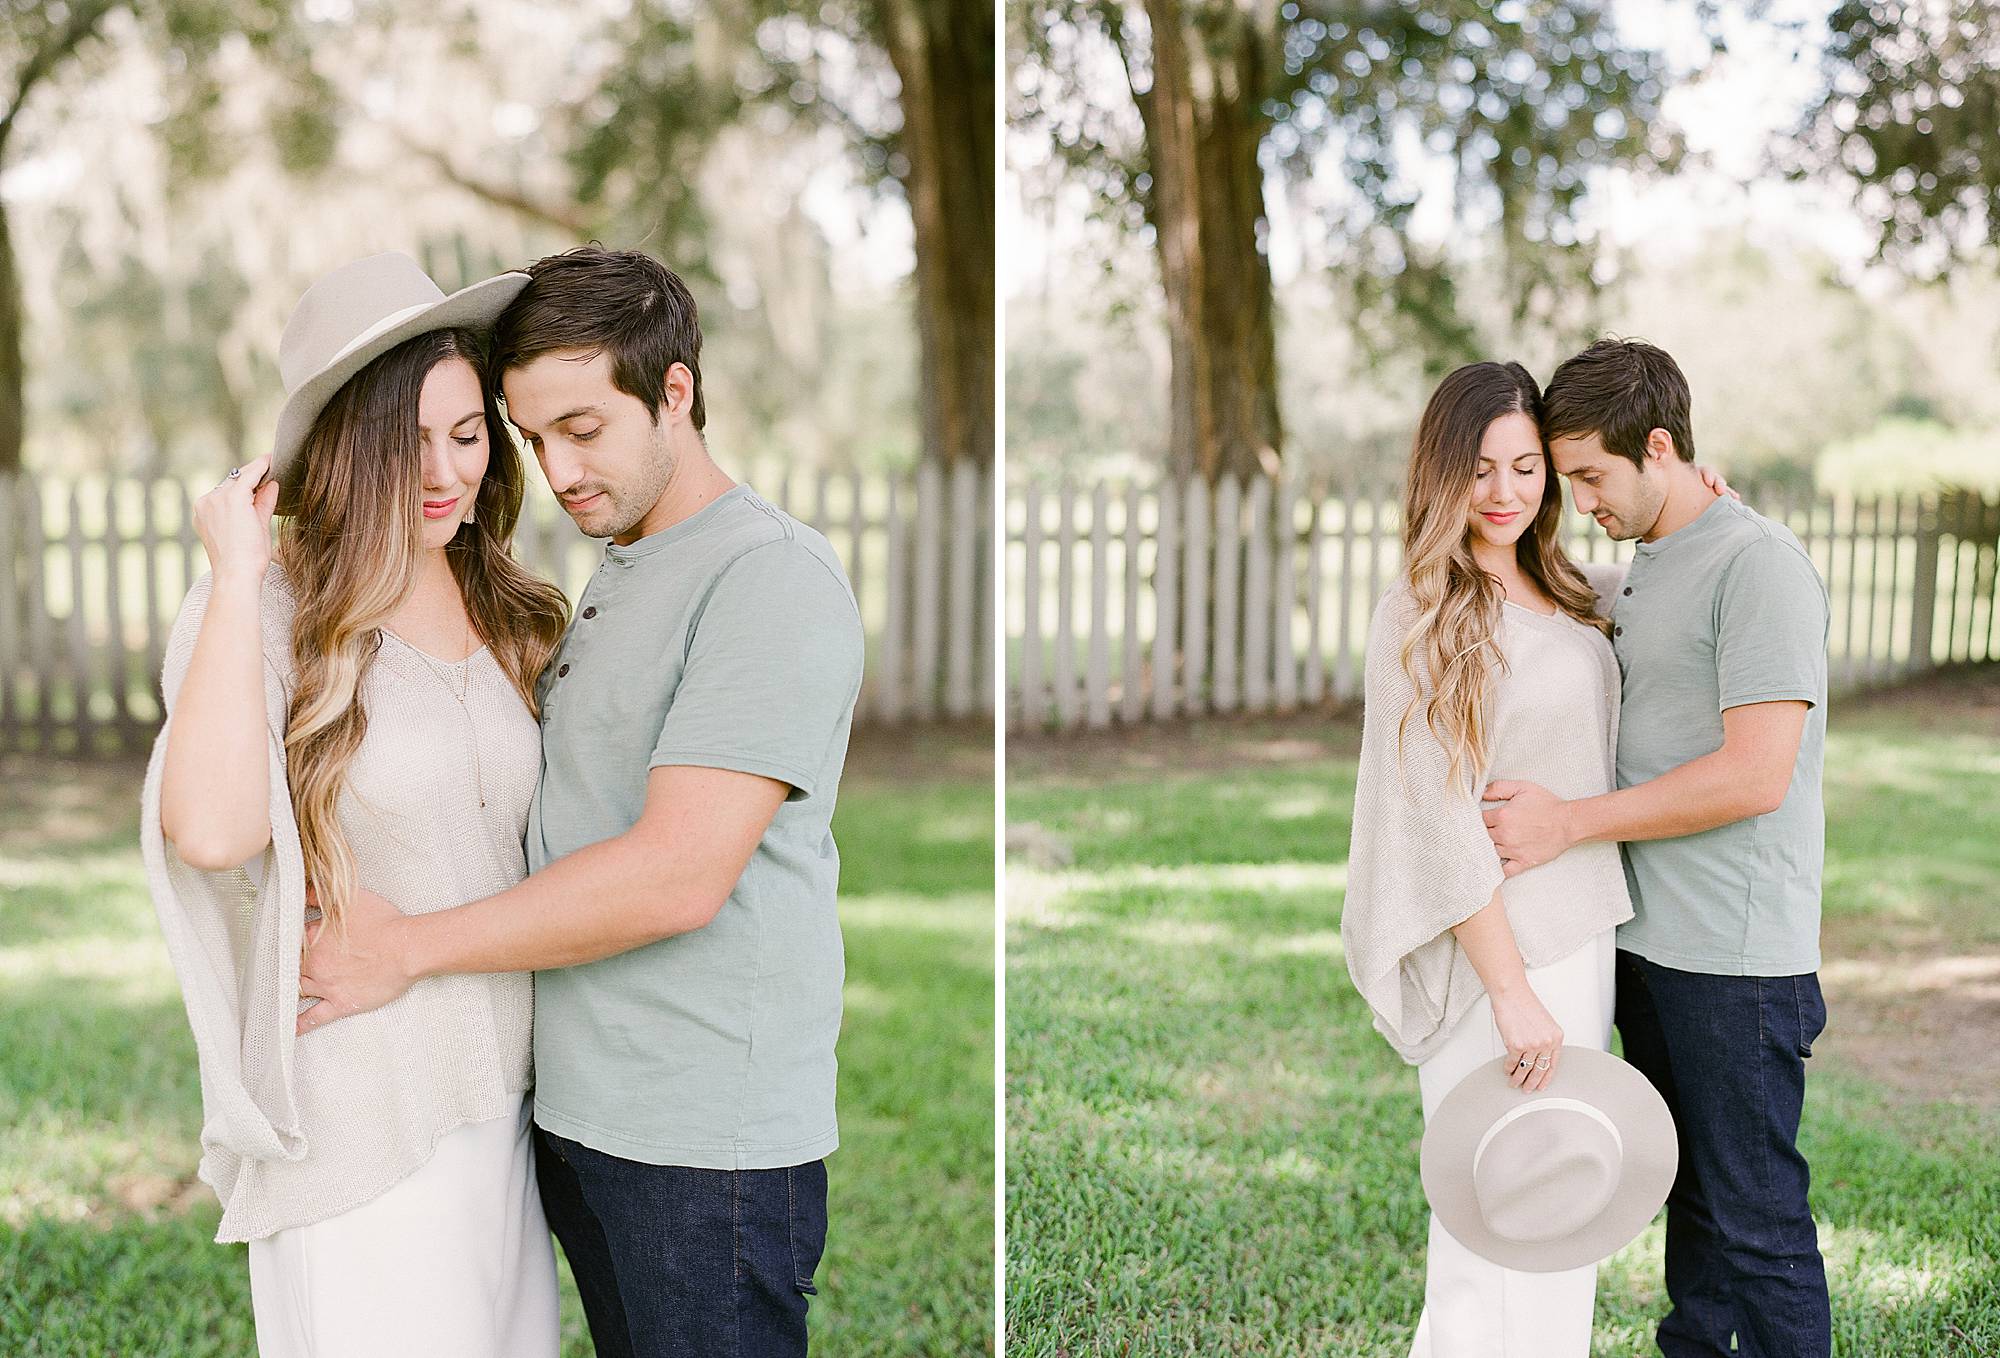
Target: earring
{"type": "Point", "coordinates": [471, 513]}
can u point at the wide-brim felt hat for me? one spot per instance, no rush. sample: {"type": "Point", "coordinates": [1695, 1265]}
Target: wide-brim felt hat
{"type": "Point", "coordinates": [353, 316]}
{"type": "Point", "coordinates": [1548, 1181]}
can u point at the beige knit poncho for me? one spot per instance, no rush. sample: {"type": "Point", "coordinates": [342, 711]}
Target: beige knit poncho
{"type": "Point", "coordinates": [295, 1130]}
{"type": "Point", "coordinates": [1420, 861]}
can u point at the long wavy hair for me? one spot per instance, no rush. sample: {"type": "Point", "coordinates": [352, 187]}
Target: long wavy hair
{"type": "Point", "coordinates": [1458, 603]}
{"type": "Point", "coordinates": [351, 550]}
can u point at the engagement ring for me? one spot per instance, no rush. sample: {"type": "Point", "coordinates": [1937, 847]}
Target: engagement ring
{"type": "Point", "coordinates": [1542, 1063]}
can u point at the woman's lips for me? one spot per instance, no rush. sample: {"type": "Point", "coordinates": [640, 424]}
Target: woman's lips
{"type": "Point", "coordinates": [1508, 517]}
{"type": "Point", "coordinates": [437, 509]}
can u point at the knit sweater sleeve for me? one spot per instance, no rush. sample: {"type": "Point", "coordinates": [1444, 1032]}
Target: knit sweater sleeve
{"type": "Point", "coordinates": [1606, 579]}
{"type": "Point", "coordinates": [234, 937]}
{"type": "Point", "coordinates": [1419, 861]}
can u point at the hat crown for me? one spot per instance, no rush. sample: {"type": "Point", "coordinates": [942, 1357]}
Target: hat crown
{"type": "Point", "coordinates": [347, 305]}
{"type": "Point", "coordinates": [1546, 1170]}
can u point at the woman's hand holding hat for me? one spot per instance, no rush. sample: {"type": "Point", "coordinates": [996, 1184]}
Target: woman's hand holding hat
{"type": "Point", "coordinates": [1534, 1039]}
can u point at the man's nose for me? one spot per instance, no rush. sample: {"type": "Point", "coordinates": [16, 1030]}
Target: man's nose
{"type": "Point", "coordinates": [560, 471]}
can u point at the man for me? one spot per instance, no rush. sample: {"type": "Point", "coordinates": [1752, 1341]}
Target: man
{"type": "Point", "coordinates": [679, 913]}
{"type": "Point", "coordinates": [1720, 630]}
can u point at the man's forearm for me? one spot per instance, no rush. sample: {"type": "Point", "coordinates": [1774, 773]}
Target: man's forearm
{"type": "Point", "coordinates": [601, 900]}
{"type": "Point", "coordinates": [1716, 789]}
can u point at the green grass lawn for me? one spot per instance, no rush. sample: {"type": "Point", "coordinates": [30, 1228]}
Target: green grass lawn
{"type": "Point", "coordinates": [1211, 1152]}
{"type": "Point", "coordinates": [105, 1236]}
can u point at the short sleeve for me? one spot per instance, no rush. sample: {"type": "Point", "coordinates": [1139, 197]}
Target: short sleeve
{"type": "Point", "coordinates": [773, 670]}
{"type": "Point", "coordinates": [1771, 623]}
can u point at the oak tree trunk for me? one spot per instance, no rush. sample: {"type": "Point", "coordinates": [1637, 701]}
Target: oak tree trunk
{"type": "Point", "coordinates": [942, 51]}
{"type": "Point", "coordinates": [1203, 126]}
{"type": "Point", "coordinates": [13, 368]}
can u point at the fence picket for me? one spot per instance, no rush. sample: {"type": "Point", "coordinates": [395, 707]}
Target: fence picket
{"type": "Point", "coordinates": [12, 652]}
{"type": "Point", "coordinates": [1131, 695]}
{"type": "Point", "coordinates": [984, 599]}
{"type": "Point", "coordinates": [1227, 644]}
{"type": "Point", "coordinates": [1343, 663]}
{"type": "Point", "coordinates": [857, 536]}
{"type": "Point", "coordinates": [889, 690]}
{"type": "Point", "coordinates": [1063, 670]}
{"type": "Point", "coordinates": [1257, 538]}
{"type": "Point", "coordinates": [962, 617]}
{"type": "Point", "coordinates": [1032, 706]}
{"type": "Point", "coordinates": [1315, 681]}
{"type": "Point", "coordinates": [1097, 690]}
{"type": "Point", "coordinates": [78, 628]}
{"type": "Point", "coordinates": [1194, 571]}
{"type": "Point", "coordinates": [1849, 658]}
{"type": "Point", "coordinates": [1166, 616]}
{"type": "Point", "coordinates": [929, 526]}
{"type": "Point", "coordinates": [149, 540]}
{"type": "Point", "coordinates": [1284, 601]}
{"type": "Point", "coordinates": [40, 626]}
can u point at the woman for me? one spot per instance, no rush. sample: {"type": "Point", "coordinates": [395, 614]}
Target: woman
{"type": "Point", "coordinates": [1489, 659]}
{"type": "Point", "coordinates": [380, 1168]}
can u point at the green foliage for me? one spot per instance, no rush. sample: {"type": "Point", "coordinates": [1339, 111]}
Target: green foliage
{"type": "Point", "coordinates": [1525, 101]}
{"type": "Point", "coordinates": [1901, 454]}
{"type": "Point", "coordinates": [1912, 115]}
{"type": "Point", "coordinates": [638, 141]}
{"type": "Point", "coordinates": [802, 42]}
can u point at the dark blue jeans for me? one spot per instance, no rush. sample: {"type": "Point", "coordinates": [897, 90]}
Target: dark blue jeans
{"type": "Point", "coordinates": [1728, 1054]}
{"type": "Point", "coordinates": [673, 1262]}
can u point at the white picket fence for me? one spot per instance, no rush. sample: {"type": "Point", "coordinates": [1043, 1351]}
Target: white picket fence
{"type": "Point", "coordinates": [93, 571]}
{"type": "Point", "coordinates": [1129, 603]}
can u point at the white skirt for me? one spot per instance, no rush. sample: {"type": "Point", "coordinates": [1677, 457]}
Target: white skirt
{"type": "Point", "coordinates": [1474, 1308]}
{"type": "Point", "coordinates": [453, 1262]}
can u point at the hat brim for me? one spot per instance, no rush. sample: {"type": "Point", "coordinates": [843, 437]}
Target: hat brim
{"type": "Point", "coordinates": [1650, 1159]}
{"type": "Point", "coordinates": [475, 307]}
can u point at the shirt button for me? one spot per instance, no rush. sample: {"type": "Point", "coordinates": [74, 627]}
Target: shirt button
{"type": "Point", "coordinates": [563, 672]}
{"type": "Point", "coordinates": [591, 612]}
{"type": "Point", "coordinates": [1628, 590]}
{"type": "Point", "coordinates": [1616, 632]}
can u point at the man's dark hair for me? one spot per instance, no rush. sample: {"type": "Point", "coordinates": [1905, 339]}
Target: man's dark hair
{"type": "Point", "coordinates": [1620, 390]}
{"type": "Point", "coordinates": [619, 302]}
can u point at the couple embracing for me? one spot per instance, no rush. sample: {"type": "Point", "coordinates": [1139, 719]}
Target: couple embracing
{"type": "Point", "coordinates": [491, 920]}
{"type": "Point", "coordinates": [1590, 795]}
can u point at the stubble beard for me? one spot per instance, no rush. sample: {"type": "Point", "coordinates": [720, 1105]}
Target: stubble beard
{"type": "Point", "coordinates": [627, 506]}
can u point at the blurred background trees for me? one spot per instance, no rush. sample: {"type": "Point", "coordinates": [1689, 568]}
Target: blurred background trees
{"type": "Point", "coordinates": [1797, 198]}
{"type": "Point", "coordinates": [177, 171]}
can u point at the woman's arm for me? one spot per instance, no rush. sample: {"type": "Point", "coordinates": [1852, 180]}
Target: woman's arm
{"type": "Point", "coordinates": [215, 788]}
{"type": "Point", "coordinates": [1525, 1024]}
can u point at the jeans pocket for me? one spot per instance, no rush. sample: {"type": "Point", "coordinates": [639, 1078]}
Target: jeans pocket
{"type": "Point", "coordinates": [805, 1191]}
{"type": "Point", "coordinates": [1811, 1008]}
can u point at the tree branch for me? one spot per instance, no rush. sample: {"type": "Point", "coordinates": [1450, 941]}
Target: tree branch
{"type": "Point", "coordinates": [565, 219]}
{"type": "Point", "coordinates": [82, 21]}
